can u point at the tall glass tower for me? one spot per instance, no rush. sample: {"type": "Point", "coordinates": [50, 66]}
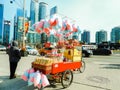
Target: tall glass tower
{"type": "Point", "coordinates": [85, 37]}
{"type": "Point", "coordinates": [20, 13]}
{"type": "Point", "coordinates": [19, 32]}
{"type": "Point", "coordinates": [115, 35]}
{"type": "Point", "coordinates": [18, 19]}
{"type": "Point", "coordinates": [6, 33]}
{"type": "Point", "coordinates": [53, 10]}
{"type": "Point", "coordinates": [42, 10]}
{"type": "Point", "coordinates": [34, 8]}
{"type": "Point", "coordinates": [1, 22]}
{"type": "Point", "coordinates": [101, 36]}
{"type": "Point", "coordinates": [42, 15]}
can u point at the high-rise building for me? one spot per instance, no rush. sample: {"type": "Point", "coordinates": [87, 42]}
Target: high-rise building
{"type": "Point", "coordinates": [53, 10]}
{"type": "Point", "coordinates": [6, 33]}
{"type": "Point", "coordinates": [101, 36]}
{"type": "Point", "coordinates": [51, 38]}
{"type": "Point", "coordinates": [19, 30]}
{"type": "Point", "coordinates": [115, 35]}
{"type": "Point", "coordinates": [34, 14]}
{"type": "Point", "coordinates": [76, 35]}
{"type": "Point", "coordinates": [42, 15]}
{"type": "Point", "coordinates": [42, 10]}
{"type": "Point", "coordinates": [85, 37]}
{"type": "Point", "coordinates": [18, 22]}
{"type": "Point", "coordinates": [20, 13]}
{"type": "Point", "coordinates": [1, 22]}
{"type": "Point", "coordinates": [34, 9]}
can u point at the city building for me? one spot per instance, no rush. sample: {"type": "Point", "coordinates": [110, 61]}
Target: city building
{"type": "Point", "coordinates": [85, 37]}
{"type": "Point", "coordinates": [18, 22]}
{"type": "Point", "coordinates": [77, 35]}
{"type": "Point", "coordinates": [53, 10]}
{"type": "Point", "coordinates": [6, 33]}
{"type": "Point", "coordinates": [101, 36]}
{"type": "Point", "coordinates": [19, 30]}
{"type": "Point", "coordinates": [115, 35]}
{"type": "Point", "coordinates": [42, 15]}
{"type": "Point", "coordinates": [20, 13]}
{"type": "Point", "coordinates": [34, 14]}
{"type": "Point", "coordinates": [52, 39]}
{"type": "Point", "coordinates": [42, 10]}
{"type": "Point", "coordinates": [34, 9]}
{"type": "Point", "coordinates": [1, 22]}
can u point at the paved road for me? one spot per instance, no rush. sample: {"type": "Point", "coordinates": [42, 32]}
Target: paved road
{"type": "Point", "coordinates": [102, 72]}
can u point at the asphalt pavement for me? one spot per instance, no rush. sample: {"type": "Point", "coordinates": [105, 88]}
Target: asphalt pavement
{"type": "Point", "coordinates": [101, 73]}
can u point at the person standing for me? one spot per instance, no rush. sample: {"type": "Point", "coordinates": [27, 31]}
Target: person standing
{"type": "Point", "coordinates": [14, 57]}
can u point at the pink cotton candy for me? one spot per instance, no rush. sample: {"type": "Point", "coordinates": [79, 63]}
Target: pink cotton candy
{"type": "Point", "coordinates": [45, 81]}
{"type": "Point", "coordinates": [37, 78]}
{"type": "Point", "coordinates": [24, 77]}
{"type": "Point", "coordinates": [31, 70]}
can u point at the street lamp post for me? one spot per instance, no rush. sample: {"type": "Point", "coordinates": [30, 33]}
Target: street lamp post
{"type": "Point", "coordinates": [24, 37]}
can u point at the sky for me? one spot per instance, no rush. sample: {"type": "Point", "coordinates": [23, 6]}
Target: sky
{"type": "Point", "coordinates": [92, 15]}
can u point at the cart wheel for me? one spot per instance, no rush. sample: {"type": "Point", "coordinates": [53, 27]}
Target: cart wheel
{"type": "Point", "coordinates": [82, 68]}
{"type": "Point", "coordinates": [67, 78]}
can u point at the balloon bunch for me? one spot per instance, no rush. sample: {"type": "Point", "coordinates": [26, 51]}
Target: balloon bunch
{"type": "Point", "coordinates": [56, 26]}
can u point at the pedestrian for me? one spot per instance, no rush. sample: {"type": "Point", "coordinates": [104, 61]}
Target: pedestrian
{"type": "Point", "coordinates": [14, 57]}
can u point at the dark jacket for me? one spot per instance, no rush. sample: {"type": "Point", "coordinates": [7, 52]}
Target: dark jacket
{"type": "Point", "coordinates": [14, 53]}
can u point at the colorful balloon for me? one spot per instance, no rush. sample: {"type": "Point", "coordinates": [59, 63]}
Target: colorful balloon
{"type": "Point", "coordinates": [74, 28]}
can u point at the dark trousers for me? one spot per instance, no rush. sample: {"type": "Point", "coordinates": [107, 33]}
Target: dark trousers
{"type": "Point", "coordinates": [13, 66]}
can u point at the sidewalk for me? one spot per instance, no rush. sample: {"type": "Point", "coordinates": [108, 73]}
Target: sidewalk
{"type": "Point", "coordinates": [11, 84]}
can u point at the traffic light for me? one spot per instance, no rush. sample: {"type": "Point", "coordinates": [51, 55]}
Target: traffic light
{"type": "Point", "coordinates": [26, 27]}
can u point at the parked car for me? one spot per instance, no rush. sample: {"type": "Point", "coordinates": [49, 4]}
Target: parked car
{"type": "Point", "coordinates": [31, 50]}
{"type": "Point", "coordinates": [102, 51]}
{"type": "Point", "coordinates": [2, 48]}
{"type": "Point", "coordinates": [44, 51]}
{"type": "Point", "coordinates": [86, 53]}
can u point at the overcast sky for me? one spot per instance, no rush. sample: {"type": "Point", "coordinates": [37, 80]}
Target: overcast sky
{"type": "Point", "coordinates": [91, 15]}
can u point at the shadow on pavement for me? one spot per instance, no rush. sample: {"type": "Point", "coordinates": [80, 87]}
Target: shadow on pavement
{"type": "Point", "coordinates": [11, 84]}
{"type": "Point", "coordinates": [19, 84]}
{"type": "Point", "coordinates": [4, 78]}
{"type": "Point", "coordinates": [110, 66]}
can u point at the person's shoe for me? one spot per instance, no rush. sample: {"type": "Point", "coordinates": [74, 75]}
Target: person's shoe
{"type": "Point", "coordinates": [12, 77]}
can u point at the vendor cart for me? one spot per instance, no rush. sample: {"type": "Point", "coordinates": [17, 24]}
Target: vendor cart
{"type": "Point", "coordinates": [62, 72]}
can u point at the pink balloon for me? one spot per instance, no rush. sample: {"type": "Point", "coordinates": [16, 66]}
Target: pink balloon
{"type": "Point", "coordinates": [74, 28]}
{"type": "Point", "coordinates": [41, 24]}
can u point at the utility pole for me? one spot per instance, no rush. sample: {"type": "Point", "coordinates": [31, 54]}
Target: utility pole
{"type": "Point", "coordinates": [24, 36]}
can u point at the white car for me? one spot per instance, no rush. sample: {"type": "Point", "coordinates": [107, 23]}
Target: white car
{"type": "Point", "coordinates": [31, 50]}
{"type": "Point", "coordinates": [2, 48]}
